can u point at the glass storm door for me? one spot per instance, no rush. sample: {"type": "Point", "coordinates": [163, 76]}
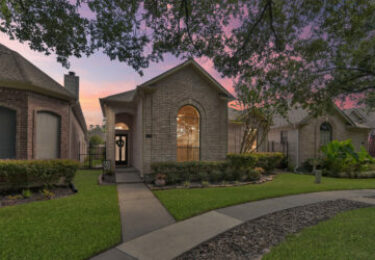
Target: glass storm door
{"type": "Point", "coordinates": [121, 146]}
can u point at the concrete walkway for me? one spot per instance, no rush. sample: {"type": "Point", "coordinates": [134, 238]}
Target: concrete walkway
{"type": "Point", "coordinates": [173, 240]}
{"type": "Point", "coordinates": [141, 213]}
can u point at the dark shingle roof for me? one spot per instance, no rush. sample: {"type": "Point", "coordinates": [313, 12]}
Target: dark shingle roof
{"type": "Point", "coordinates": [18, 72]}
{"type": "Point", "coordinates": [122, 97]}
{"type": "Point", "coordinates": [298, 115]}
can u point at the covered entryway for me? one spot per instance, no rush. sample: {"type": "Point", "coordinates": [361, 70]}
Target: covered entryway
{"type": "Point", "coordinates": [123, 140]}
{"type": "Point", "coordinates": [7, 133]}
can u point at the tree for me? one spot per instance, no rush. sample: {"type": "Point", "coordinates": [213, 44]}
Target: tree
{"type": "Point", "coordinates": [95, 140]}
{"type": "Point", "coordinates": [308, 52]}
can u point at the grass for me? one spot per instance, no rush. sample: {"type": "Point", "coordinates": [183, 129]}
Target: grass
{"type": "Point", "coordinates": [185, 203]}
{"type": "Point", "coordinates": [349, 235]}
{"type": "Point", "coordinates": [74, 227]}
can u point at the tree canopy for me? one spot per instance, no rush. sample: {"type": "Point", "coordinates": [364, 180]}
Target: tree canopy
{"type": "Point", "coordinates": [304, 52]}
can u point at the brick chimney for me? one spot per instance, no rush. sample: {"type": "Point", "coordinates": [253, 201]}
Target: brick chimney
{"type": "Point", "coordinates": [71, 83]}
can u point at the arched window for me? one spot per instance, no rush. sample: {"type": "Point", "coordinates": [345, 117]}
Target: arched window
{"type": "Point", "coordinates": [121, 126]}
{"type": "Point", "coordinates": [47, 135]}
{"type": "Point", "coordinates": [188, 127]}
{"type": "Point", "coordinates": [7, 133]}
{"type": "Point", "coordinates": [325, 133]}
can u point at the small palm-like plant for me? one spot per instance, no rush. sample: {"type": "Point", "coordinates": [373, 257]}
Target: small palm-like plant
{"type": "Point", "coordinates": [340, 156]}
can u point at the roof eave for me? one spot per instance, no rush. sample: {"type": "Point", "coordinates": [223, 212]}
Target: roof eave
{"type": "Point", "coordinates": [30, 87]}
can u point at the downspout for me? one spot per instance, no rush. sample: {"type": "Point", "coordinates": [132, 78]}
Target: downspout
{"type": "Point", "coordinates": [297, 157]}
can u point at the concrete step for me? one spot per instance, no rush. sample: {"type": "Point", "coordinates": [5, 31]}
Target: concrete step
{"type": "Point", "coordinates": [126, 169]}
{"type": "Point", "coordinates": [129, 176]}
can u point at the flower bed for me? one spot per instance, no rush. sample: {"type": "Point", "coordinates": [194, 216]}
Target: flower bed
{"type": "Point", "coordinates": [237, 168]}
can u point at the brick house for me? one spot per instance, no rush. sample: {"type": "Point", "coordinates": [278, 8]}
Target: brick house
{"type": "Point", "coordinates": [39, 118]}
{"type": "Point", "coordinates": [302, 136]}
{"type": "Point", "coordinates": [180, 115]}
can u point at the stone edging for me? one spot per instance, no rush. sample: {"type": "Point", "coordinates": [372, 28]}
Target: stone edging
{"type": "Point", "coordinates": [200, 186]}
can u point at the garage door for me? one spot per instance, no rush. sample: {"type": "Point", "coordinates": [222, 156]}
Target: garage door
{"type": "Point", "coordinates": [47, 136]}
{"type": "Point", "coordinates": [7, 133]}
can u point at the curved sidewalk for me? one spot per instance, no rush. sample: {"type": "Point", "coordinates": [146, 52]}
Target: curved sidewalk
{"type": "Point", "coordinates": [173, 240]}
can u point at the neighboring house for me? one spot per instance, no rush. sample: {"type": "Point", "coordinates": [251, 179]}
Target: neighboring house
{"type": "Point", "coordinates": [302, 136]}
{"type": "Point", "coordinates": [39, 118]}
{"type": "Point", "coordinates": [180, 115]}
{"type": "Point", "coordinates": [366, 118]}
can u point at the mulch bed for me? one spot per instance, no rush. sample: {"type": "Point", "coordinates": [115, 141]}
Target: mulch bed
{"type": "Point", "coordinates": [37, 195]}
{"type": "Point", "coordinates": [197, 185]}
{"type": "Point", "coordinates": [254, 238]}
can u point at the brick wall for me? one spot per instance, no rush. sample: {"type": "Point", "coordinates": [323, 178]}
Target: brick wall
{"type": "Point", "coordinates": [27, 104]}
{"type": "Point", "coordinates": [185, 87]}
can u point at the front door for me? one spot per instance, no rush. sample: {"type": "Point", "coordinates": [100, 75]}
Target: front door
{"type": "Point", "coordinates": [121, 146]}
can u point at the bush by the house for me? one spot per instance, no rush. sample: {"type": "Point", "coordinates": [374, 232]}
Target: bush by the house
{"type": "Point", "coordinates": [340, 160]}
{"type": "Point", "coordinates": [19, 174]}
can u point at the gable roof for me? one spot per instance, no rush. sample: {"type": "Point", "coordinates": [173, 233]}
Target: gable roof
{"type": "Point", "coordinates": [298, 116]}
{"type": "Point", "coordinates": [361, 117]}
{"type": "Point", "coordinates": [129, 96]}
{"type": "Point", "coordinates": [18, 72]}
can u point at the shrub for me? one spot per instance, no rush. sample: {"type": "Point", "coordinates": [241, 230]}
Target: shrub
{"type": "Point", "coordinates": [228, 174]}
{"type": "Point", "coordinates": [267, 161]}
{"type": "Point", "coordinates": [242, 160]}
{"type": "Point", "coordinates": [178, 172]}
{"type": "Point", "coordinates": [253, 175]}
{"type": "Point", "coordinates": [216, 176]}
{"type": "Point", "coordinates": [205, 183]}
{"type": "Point", "coordinates": [19, 174]}
{"type": "Point", "coordinates": [203, 176]}
{"type": "Point", "coordinates": [26, 193]}
{"type": "Point", "coordinates": [48, 194]}
{"type": "Point", "coordinates": [259, 170]}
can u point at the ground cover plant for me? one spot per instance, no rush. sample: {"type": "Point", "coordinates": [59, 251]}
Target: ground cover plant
{"type": "Point", "coordinates": [74, 227]}
{"type": "Point", "coordinates": [185, 203]}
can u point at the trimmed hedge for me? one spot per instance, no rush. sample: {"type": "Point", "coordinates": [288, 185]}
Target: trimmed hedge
{"type": "Point", "coordinates": [267, 161]}
{"type": "Point", "coordinates": [237, 167]}
{"type": "Point", "coordinates": [18, 174]}
{"type": "Point", "coordinates": [177, 172]}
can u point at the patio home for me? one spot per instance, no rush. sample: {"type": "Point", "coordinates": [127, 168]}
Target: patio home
{"type": "Point", "coordinates": [180, 115]}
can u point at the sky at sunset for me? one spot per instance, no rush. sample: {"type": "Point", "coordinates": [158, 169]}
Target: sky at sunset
{"type": "Point", "coordinates": [101, 77]}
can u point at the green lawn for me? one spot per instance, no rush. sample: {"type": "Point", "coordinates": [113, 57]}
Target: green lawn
{"type": "Point", "coordinates": [184, 203]}
{"type": "Point", "coordinates": [349, 235]}
{"type": "Point", "coordinates": [75, 227]}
